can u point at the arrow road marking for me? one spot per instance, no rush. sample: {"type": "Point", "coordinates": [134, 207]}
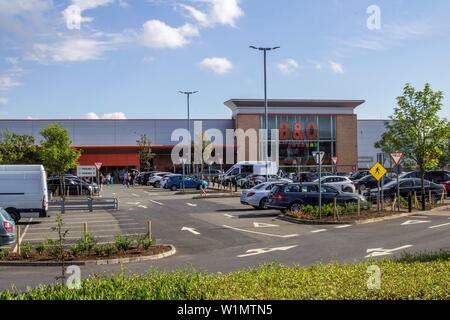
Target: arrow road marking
{"type": "Point", "coordinates": [191, 204]}
{"type": "Point", "coordinates": [377, 252]}
{"type": "Point", "coordinates": [414, 222]}
{"type": "Point", "coordinates": [439, 225]}
{"type": "Point", "coordinates": [157, 202]}
{"type": "Point", "coordinates": [253, 252]}
{"type": "Point", "coordinates": [264, 225]}
{"type": "Point", "coordinates": [262, 233]}
{"type": "Point", "coordinates": [191, 230]}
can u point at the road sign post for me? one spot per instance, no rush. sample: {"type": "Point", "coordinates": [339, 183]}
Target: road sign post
{"type": "Point", "coordinates": [335, 160]}
{"type": "Point", "coordinates": [98, 165]}
{"type": "Point", "coordinates": [378, 172]}
{"type": "Point", "coordinates": [318, 157]}
{"type": "Point", "coordinates": [397, 158]}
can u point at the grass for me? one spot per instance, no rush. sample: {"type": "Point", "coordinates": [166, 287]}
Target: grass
{"type": "Point", "coordinates": [419, 276]}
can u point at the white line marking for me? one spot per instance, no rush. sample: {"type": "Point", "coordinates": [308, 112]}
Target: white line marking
{"type": "Point", "coordinates": [439, 225]}
{"type": "Point", "coordinates": [80, 226]}
{"type": "Point", "coordinates": [135, 195]}
{"type": "Point", "coordinates": [191, 204]}
{"type": "Point", "coordinates": [22, 235]}
{"type": "Point", "coordinates": [191, 230]}
{"type": "Point", "coordinates": [262, 233]}
{"type": "Point", "coordinates": [343, 226]}
{"type": "Point", "coordinates": [157, 202]}
{"type": "Point", "coordinates": [143, 207]}
{"type": "Point", "coordinates": [264, 225]}
{"type": "Point", "coordinates": [228, 215]}
{"type": "Point", "coordinates": [318, 230]}
{"type": "Point", "coordinates": [133, 203]}
{"type": "Point", "coordinates": [377, 252]}
{"type": "Point", "coordinates": [414, 222]}
{"type": "Point", "coordinates": [253, 252]}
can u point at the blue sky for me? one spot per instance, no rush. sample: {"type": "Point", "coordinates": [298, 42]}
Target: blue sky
{"type": "Point", "coordinates": [129, 58]}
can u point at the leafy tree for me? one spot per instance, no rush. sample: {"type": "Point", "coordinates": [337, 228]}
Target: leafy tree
{"type": "Point", "coordinates": [145, 152]}
{"type": "Point", "coordinates": [417, 130]}
{"type": "Point", "coordinates": [56, 154]}
{"type": "Point", "coordinates": [18, 149]}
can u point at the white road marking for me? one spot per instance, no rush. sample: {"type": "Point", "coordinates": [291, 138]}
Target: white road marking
{"type": "Point", "coordinates": [191, 204]}
{"type": "Point", "coordinates": [157, 202]}
{"type": "Point", "coordinates": [377, 252]}
{"type": "Point", "coordinates": [439, 225]}
{"type": "Point", "coordinates": [80, 226]}
{"type": "Point", "coordinates": [264, 225]}
{"type": "Point", "coordinates": [23, 235]}
{"type": "Point", "coordinates": [133, 203]}
{"type": "Point", "coordinates": [143, 207]}
{"type": "Point", "coordinates": [135, 195]}
{"type": "Point", "coordinates": [414, 222]}
{"type": "Point", "coordinates": [228, 215]}
{"type": "Point", "coordinates": [253, 252]}
{"type": "Point", "coordinates": [318, 230]}
{"type": "Point", "coordinates": [262, 233]}
{"type": "Point", "coordinates": [191, 230]}
{"type": "Point", "coordinates": [343, 226]}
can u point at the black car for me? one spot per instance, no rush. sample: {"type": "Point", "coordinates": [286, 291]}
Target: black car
{"type": "Point", "coordinates": [369, 182]}
{"type": "Point", "coordinates": [439, 177]}
{"type": "Point", "coordinates": [73, 186]}
{"type": "Point", "coordinates": [292, 196]}
{"type": "Point", "coordinates": [143, 177]}
{"type": "Point", "coordinates": [358, 175]}
{"type": "Point", "coordinates": [407, 186]}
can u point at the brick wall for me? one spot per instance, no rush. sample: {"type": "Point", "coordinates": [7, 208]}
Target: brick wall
{"type": "Point", "coordinates": [346, 143]}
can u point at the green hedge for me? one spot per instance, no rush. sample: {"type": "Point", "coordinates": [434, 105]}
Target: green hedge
{"type": "Point", "coordinates": [409, 278]}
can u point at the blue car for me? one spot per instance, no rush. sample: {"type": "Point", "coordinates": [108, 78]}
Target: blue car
{"type": "Point", "coordinates": [7, 229]}
{"type": "Point", "coordinates": [177, 182]}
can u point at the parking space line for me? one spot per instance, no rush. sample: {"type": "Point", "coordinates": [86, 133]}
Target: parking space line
{"type": "Point", "coordinates": [81, 226]}
{"type": "Point", "coordinates": [343, 226]}
{"type": "Point", "coordinates": [439, 225]}
{"type": "Point", "coordinates": [318, 230]}
{"type": "Point", "coordinates": [262, 233]}
{"type": "Point", "coordinates": [22, 236]}
{"type": "Point", "coordinates": [87, 220]}
{"type": "Point", "coordinates": [157, 202]}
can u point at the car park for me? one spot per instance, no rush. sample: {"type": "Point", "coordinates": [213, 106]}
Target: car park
{"type": "Point", "coordinates": [358, 175]}
{"type": "Point", "coordinates": [7, 228]}
{"type": "Point", "coordinates": [23, 191]}
{"type": "Point", "coordinates": [436, 176]}
{"type": "Point", "coordinates": [72, 186]}
{"type": "Point", "coordinates": [143, 177]}
{"type": "Point", "coordinates": [175, 182]}
{"type": "Point", "coordinates": [369, 182]}
{"type": "Point", "coordinates": [293, 196]}
{"type": "Point", "coordinates": [408, 186]}
{"type": "Point", "coordinates": [339, 182]}
{"type": "Point", "coordinates": [258, 196]}
{"type": "Point", "coordinates": [156, 177]}
{"type": "Point", "coordinates": [213, 173]}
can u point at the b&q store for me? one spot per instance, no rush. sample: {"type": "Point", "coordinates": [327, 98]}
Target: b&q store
{"type": "Point", "coordinates": [304, 126]}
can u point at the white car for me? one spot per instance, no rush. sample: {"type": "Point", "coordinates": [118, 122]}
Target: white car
{"type": "Point", "coordinates": [339, 182]}
{"type": "Point", "coordinates": [257, 197]}
{"type": "Point", "coordinates": [155, 179]}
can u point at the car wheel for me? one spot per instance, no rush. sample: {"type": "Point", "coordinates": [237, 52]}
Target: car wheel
{"type": "Point", "coordinates": [295, 207]}
{"type": "Point", "coordinates": [157, 184]}
{"type": "Point", "coordinates": [174, 188]}
{"type": "Point", "coordinates": [14, 214]}
{"type": "Point", "coordinates": [263, 203]}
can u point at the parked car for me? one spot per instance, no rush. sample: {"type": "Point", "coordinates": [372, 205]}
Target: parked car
{"type": "Point", "coordinates": [293, 196]}
{"type": "Point", "coordinates": [213, 173]}
{"type": "Point", "coordinates": [72, 186]}
{"type": "Point", "coordinates": [341, 183]}
{"type": "Point", "coordinates": [447, 188]}
{"type": "Point", "coordinates": [23, 191]}
{"type": "Point", "coordinates": [7, 228]}
{"type": "Point", "coordinates": [256, 179]}
{"type": "Point", "coordinates": [358, 175]}
{"type": "Point", "coordinates": [406, 186]}
{"type": "Point", "coordinates": [175, 182]}
{"type": "Point", "coordinates": [240, 179]}
{"type": "Point", "coordinates": [369, 182]}
{"type": "Point", "coordinates": [155, 179]}
{"type": "Point", "coordinates": [439, 177]}
{"type": "Point", "coordinates": [143, 177]}
{"type": "Point", "coordinates": [258, 196]}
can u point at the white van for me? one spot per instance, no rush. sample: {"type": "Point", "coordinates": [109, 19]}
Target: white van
{"type": "Point", "coordinates": [23, 190]}
{"type": "Point", "coordinates": [251, 167]}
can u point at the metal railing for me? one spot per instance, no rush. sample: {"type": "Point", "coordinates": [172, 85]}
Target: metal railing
{"type": "Point", "coordinates": [86, 204]}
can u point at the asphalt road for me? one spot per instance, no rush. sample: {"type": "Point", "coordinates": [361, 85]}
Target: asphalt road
{"type": "Point", "coordinates": [221, 235]}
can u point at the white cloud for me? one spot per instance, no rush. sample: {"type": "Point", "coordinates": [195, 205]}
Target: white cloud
{"type": "Point", "coordinates": [12, 7]}
{"type": "Point", "coordinates": [69, 50]}
{"type": "Point", "coordinates": [317, 65]}
{"type": "Point", "coordinates": [3, 100]}
{"type": "Point", "coordinates": [288, 66]}
{"type": "Point", "coordinates": [224, 12]}
{"type": "Point", "coordinates": [157, 34]}
{"type": "Point", "coordinates": [217, 65]}
{"type": "Point", "coordinates": [109, 116]}
{"type": "Point", "coordinates": [8, 82]}
{"type": "Point", "coordinates": [73, 13]}
{"type": "Point", "coordinates": [123, 4]}
{"type": "Point", "coordinates": [336, 67]}
{"type": "Point", "coordinates": [91, 4]}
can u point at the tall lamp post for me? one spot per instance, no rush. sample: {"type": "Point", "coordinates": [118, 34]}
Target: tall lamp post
{"type": "Point", "coordinates": [188, 96]}
{"type": "Point", "coordinates": [264, 50]}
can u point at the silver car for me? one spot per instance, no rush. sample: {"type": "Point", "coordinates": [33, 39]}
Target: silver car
{"type": "Point", "coordinates": [7, 228]}
{"type": "Point", "coordinates": [257, 197]}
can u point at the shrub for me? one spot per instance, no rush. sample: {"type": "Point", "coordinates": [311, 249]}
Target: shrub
{"type": "Point", "coordinates": [53, 249]}
{"type": "Point", "coordinates": [4, 254]}
{"type": "Point", "coordinates": [84, 245]}
{"type": "Point", "coordinates": [144, 242]}
{"type": "Point", "coordinates": [104, 249]}
{"type": "Point", "coordinates": [40, 248]}
{"type": "Point", "coordinates": [25, 250]}
{"type": "Point", "coordinates": [123, 243]}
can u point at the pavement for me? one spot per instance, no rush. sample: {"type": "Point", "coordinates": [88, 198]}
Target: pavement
{"type": "Point", "coordinates": [221, 235]}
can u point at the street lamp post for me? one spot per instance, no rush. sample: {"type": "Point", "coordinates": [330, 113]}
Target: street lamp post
{"type": "Point", "coordinates": [264, 50]}
{"type": "Point", "coordinates": [188, 96]}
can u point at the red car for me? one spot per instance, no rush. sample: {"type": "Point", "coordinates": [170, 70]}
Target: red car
{"type": "Point", "coordinates": [447, 188]}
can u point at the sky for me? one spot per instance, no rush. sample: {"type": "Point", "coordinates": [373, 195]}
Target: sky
{"type": "Point", "coordinates": [117, 59]}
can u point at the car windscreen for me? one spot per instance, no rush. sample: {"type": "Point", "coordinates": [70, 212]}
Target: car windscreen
{"type": "Point", "coordinates": [6, 215]}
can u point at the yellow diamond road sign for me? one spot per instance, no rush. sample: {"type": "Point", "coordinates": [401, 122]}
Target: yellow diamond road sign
{"type": "Point", "coordinates": [378, 171]}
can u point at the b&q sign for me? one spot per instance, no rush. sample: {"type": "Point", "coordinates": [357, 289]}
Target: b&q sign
{"type": "Point", "coordinates": [298, 131]}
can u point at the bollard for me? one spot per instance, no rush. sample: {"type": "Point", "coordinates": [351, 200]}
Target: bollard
{"type": "Point", "coordinates": [90, 205]}
{"type": "Point", "coordinates": [430, 198]}
{"type": "Point", "coordinates": [409, 203]}
{"type": "Point", "coordinates": [18, 240]}
{"type": "Point", "coordinates": [359, 207]}
{"type": "Point", "coordinates": [63, 207]}
{"type": "Point", "coordinates": [443, 197]}
{"type": "Point", "coordinates": [85, 230]}
{"type": "Point", "coordinates": [334, 208]}
{"type": "Point", "coordinates": [149, 230]}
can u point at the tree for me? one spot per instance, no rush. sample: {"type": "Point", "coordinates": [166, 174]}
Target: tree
{"type": "Point", "coordinates": [18, 149]}
{"type": "Point", "coordinates": [417, 130]}
{"type": "Point", "coordinates": [56, 154]}
{"type": "Point", "coordinates": [145, 152]}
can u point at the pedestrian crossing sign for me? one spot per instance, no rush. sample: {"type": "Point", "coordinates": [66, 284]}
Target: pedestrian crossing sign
{"type": "Point", "coordinates": [378, 171]}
